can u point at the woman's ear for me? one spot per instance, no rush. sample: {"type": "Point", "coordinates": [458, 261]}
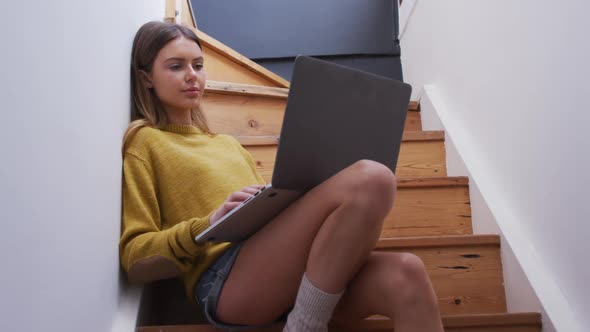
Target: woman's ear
{"type": "Point", "coordinates": [146, 78]}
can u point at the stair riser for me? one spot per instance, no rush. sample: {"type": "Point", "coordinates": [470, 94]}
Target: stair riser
{"type": "Point", "coordinates": [429, 211]}
{"type": "Point", "coordinates": [220, 68]}
{"type": "Point", "coordinates": [422, 211]}
{"type": "Point", "coordinates": [416, 159]}
{"type": "Point", "coordinates": [241, 115]}
{"type": "Point", "coordinates": [467, 279]}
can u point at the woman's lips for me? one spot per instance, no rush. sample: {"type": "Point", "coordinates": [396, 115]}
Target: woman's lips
{"type": "Point", "coordinates": [192, 92]}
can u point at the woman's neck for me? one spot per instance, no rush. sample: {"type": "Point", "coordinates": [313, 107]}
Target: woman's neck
{"type": "Point", "coordinates": [179, 117]}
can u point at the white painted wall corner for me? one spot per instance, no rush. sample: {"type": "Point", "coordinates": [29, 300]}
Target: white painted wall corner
{"type": "Point", "coordinates": [125, 319]}
{"type": "Point", "coordinates": [520, 295]}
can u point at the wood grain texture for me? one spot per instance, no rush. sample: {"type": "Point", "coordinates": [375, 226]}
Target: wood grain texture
{"type": "Point", "coordinates": [519, 322]}
{"type": "Point", "coordinates": [234, 113]}
{"type": "Point", "coordinates": [505, 322]}
{"type": "Point", "coordinates": [250, 72]}
{"type": "Point", "coordinates": [421, 159]}
{"type": "Point", "coordinates": [413, 122]}
{"type": "Point", "coordinates": [416, 159]}
{"type": "Point", "coordinates": [220, 68]}
{"type": "Point", "coordinates": [408, 136]}
{"type": "Point", "coordinates": [442, 210]}
{"type": "Point", "coordinates": [437, 241]}
{"type": "Point", "coordinates": [170, 12]}
{"type": "Point", "coordinates": [422, 136]}
{"type": "Point", "coordinates": [467, 278]}
{"type": "Point", "coordinates": [240, 115]}
{"type": "Point", "coordinates": [245, 89]}
{"type": "Point", "coordinates": [454, 181]}
{"type": "Point", "coordinates": [429, 206]}
{"type": "Point", "coordinates": [414, 106]}
{"type": "Point", "coordinates": [466, 271]}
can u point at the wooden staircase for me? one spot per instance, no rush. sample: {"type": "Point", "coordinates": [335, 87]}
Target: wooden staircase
{"type": "Point", "coordinates": [431, 216]}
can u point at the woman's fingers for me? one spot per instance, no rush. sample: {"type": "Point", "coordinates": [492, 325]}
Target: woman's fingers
{"type": "Point", "coordinates": [239, 196]}
{"type": "Point", "coordinates": [228, 206]}
{"type": "Point", "coordinates": [223, 210]}
{"type": "Point", "coordinates": [252, 189]}
{"type": "Point", "coordinates": [233, 201]}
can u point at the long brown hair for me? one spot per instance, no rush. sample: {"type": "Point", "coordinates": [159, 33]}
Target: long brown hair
{"type": "Point", "coordinates": [146, 109]}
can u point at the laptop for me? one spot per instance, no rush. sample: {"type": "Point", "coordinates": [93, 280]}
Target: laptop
{"type": "Point", "coordinates": [335, 116]}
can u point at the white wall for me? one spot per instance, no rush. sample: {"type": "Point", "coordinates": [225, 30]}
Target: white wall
{"type": "Point", "coordinates": [520, 297]}
{"type": "Point", "coordinates": [64, 89]}
{"type": "Point", "coordinates": [511, 80]}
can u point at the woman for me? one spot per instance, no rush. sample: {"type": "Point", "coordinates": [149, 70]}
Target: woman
{"type": "Point", "coordinates": [314, 258]}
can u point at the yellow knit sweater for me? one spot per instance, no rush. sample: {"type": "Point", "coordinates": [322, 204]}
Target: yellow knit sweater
{"type": "Point", "coordinates": [173, 180]}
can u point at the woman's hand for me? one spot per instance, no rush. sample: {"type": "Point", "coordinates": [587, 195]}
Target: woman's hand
{"type": "Point", "coordinates": [234, 200]}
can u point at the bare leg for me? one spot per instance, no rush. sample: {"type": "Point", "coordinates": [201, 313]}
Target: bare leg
{"type": "Point", "coordinates": [394, 285]}
{"type": "Point", "coordinates": [327, 233]}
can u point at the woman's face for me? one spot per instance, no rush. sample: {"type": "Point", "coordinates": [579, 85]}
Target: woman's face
{"type": "Point", "coordinates": [177, 75]}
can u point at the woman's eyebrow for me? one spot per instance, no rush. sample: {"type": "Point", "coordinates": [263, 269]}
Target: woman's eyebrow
{"type": "Point", "coordinates": [182, 59]}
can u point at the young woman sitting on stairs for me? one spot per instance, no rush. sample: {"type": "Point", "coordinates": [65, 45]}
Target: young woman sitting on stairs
{"type": "Point", "coordinates": [314, 259]}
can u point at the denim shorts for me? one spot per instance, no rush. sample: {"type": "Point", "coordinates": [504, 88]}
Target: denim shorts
{"type": "Point", "coordinates": [209, 286]}
{"type": "Point", "coordinates": [208, 290]}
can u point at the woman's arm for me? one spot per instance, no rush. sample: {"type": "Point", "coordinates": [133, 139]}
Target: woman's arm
{"type": "Point", "coordinates": [146, 251]}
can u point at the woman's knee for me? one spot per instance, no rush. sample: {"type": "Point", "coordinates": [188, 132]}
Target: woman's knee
{"type": "Point", "coordinates": [413, 268]}
{"type": "Point", "coordinates": [373, 183]}
{"type": "Point", "coordinates": [409, 281]}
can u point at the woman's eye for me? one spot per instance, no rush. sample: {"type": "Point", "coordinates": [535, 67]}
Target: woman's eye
{"type": "Point", "coordinates": [175, 67]}
{"type": "Point", "coordinates": [198, 66]}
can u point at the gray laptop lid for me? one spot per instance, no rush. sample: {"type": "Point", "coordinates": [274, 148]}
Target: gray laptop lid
{"type": "Point", "coordinates": [336, 116]}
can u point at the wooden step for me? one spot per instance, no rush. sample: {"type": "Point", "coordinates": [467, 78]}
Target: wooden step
{"type": "Point", "coordinates": [251, 110]}
{"type": "Point", "coordinates": [414, 120]}
{"type": "Point", "coordinates": [466, 271]}
{"type": "Point", "coordinates": [430, 207]}
{"type": "Point", "coordinates": [520, 322]}
{"type": "Point", "coordinates": [222, 63]}
{"type": "Point", "coordinates": [422, 154]}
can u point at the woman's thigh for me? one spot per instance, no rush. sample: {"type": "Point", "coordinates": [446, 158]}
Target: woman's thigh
{"type": "Point", "coordinates": [264, 280]}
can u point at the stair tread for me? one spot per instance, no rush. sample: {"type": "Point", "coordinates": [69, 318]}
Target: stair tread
{"type": "Point", "coordinates": [522, 318]}
{"type": "Point", "coordinates": [442, 181]}
{"type": "Point", "coordinates": [464, 321]}
{"type": "Point", "coordinates": [438, 241]}
{"type": "Point", "coordinates": [408, 136]}
{"type": "Point", "coordinates": [449, 321]}
{"type": "Point", "coordinates": [245, 109]}
{"type": "Point", "coordinates": [261, 90]}
{"type": "Point", "coordinates": [246, 89]}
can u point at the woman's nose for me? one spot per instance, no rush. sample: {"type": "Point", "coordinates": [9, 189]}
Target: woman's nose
{"type": "Point", "coordinates": [191, 74]}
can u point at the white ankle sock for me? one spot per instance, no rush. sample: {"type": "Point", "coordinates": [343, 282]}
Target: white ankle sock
{"type": "Point", "coordinates": [313, 309]}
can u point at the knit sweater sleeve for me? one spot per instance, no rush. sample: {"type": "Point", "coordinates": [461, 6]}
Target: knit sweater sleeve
{"type": "Point", "coordinates": [147, 251]}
